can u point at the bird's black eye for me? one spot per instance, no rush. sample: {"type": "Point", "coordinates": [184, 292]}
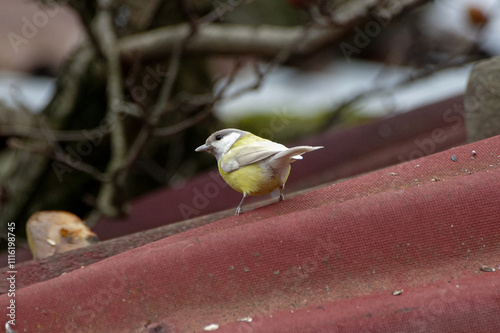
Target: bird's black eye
{"type": "Point", "coordinates": [218, 137]}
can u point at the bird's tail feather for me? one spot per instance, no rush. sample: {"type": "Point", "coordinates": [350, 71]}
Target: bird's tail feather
{"type": "Point", "coordinates": [290, 155]}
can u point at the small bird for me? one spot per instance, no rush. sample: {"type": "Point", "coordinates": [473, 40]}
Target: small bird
{"type": "Point", "coordinates": [250, 164]}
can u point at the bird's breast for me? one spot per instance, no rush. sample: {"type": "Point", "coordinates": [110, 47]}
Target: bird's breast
{"type": "Point", "coordinates": [255, 179]}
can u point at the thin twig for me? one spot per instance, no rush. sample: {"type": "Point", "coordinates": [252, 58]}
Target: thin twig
{"type": "Point", "coordinates": [45, 150]}
{"type": "Point", "coordinates": [412, 77]}
{"type": "Point", "coordinates": [52, 148]}
{"type": "Point", "coordinates": [189, 13]}
{"type": "Point", "coordinates": [221, 10]}
{"type": "Point", "coordinates": [81, 166]}
{"type": "Point", "coordinates": [48, 135]}
{"type": "Point", "coordinates": [280, 58]}
{"type": "Point", "coordinates": [157, 111]}
{"type": "Point", "coordinates": [166, 88]}
{"type": "Point", "coordinates": [185, 124]}
{"type": "Point", "coordinates": [181, 126]}
{"type": "Point", "coordinates": [62, 136]}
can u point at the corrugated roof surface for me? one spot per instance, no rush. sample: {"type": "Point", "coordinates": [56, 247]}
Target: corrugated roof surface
{"type": "Point", "coordinates": [323, 261]}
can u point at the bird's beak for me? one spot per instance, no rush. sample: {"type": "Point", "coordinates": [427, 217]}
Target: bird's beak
{"type": "Point", "coordinates": [203, 148]}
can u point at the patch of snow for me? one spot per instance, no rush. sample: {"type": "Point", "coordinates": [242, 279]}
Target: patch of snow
{"type": "Point", "coordinates": [33, 92]}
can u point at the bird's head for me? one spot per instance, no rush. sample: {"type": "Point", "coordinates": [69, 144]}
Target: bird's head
{"type": "Point", "coordinates": [221, 141]}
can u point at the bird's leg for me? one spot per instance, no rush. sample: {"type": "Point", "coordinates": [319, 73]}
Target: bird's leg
{"type": "Point", "coordinates": [282, 196]}
{"type": "Point", "coordinates": [238, 209]}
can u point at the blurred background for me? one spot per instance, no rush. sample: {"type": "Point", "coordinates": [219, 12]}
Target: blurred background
{"type": "Point", "coordinates": [104, 102]}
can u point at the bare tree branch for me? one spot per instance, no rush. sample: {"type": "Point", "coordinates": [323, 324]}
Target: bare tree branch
{"type": "Point", "coordinates": [223, 39]}
{"type": "Point", "coordinates": [52, 148]}
{"type": "Point", "coordinates": [263, 40]}
{"type": "Point", "coordinates": [103, 31]}
{"type": "Point", "coordinates": [29, 167]}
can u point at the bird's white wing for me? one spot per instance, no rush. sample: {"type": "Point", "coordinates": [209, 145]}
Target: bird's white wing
{"type": "Point", "coordinates": [251, 153]}
{"type": "Point", "coordinates": [283, 158]}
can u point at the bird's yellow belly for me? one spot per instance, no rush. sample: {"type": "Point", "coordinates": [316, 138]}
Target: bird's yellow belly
{"type": "Point", "coordinates": [252, 180]}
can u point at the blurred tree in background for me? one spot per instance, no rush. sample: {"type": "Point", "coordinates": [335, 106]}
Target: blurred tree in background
{"type": "Point", "coordinates": [137, 96]}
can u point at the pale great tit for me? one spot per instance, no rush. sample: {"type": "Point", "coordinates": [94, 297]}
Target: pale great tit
{"type": "Point", "coordinates": [250, 164]}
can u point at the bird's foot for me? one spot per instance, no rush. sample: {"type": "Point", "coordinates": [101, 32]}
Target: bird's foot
{"type": "Point", "coordinates": [282, 189]}
{"type": "Point", "coordinates": [238, 209]}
